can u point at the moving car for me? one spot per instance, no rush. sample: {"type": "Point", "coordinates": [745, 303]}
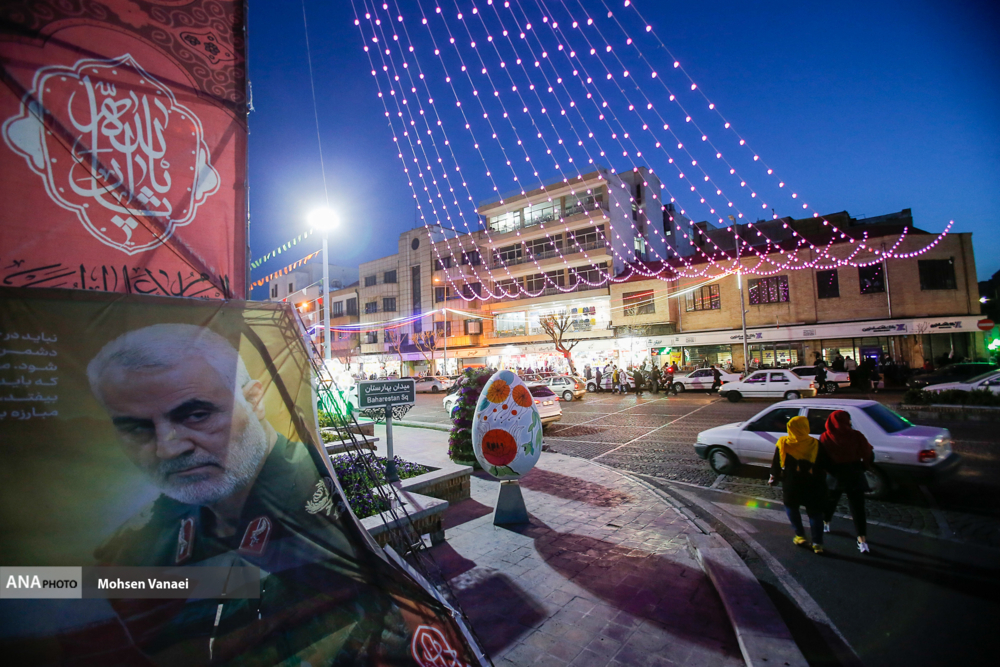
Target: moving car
{"type": "Point", "coordinates": [546, 401]}
{"type": "Point", "coordinates": [834, 379]}
{"type": "Point", "coordinates": [702, 379]}
{"type": "Point", "coordinates": [434, 384]}
{"type": "Point", "coordinates": [989, 381]}
{"type": "Point", "coordinates": [770, 383]}
{"type": "Point", "coordinates": [566, 386]}
{"type": "Point", "coordinates": [902, 449]}
{"type": "Point", "coordinates": [950, 373]}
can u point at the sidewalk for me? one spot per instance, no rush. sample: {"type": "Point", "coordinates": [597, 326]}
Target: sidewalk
{"type": "Point", "coordinates": [601, 576]}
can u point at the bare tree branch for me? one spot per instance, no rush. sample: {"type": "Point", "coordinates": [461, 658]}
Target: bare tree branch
{"type": "Point", "coordinates": [557, 326]}
{"type": "Point", "coordinates": [426, 344]}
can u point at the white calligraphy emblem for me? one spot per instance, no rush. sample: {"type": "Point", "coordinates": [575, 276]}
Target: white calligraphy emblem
{"type": "Point", "coordinates": [119, 150]}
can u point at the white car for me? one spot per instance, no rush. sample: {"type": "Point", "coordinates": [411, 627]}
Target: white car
{"type": "Point", "coordinates": [834, 379]}
{"type": "Point", "coordinates": [566, 386]}
{"type": "Point", "coordinates": [922, 453]}
{"type": "Point", "coordinates": [771, 383]}
{"type": "Point", "coordinates": [546, 401]}
{"type": "Point", "coordinates": [702, 380]}
{"type": "Point", "coordinates": [433, 384]}
{"type": "Point", "coordinates": [989, 381]}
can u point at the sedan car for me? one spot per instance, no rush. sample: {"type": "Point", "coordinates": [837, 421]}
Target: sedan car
{"type": "Point", "coordinates": [769, 383]}
{"type": "Point", "coordinates": [989, 381]}
{"type": "Point", "coordinates": [702, 380]}
{"type": "Point", "coordinates": [434, 384]}
{"type": "Point", "coordinates": [565, 386]}
{"type": "Point", "coordinates": [950, 373]}
{"type": "Point", "coordinates": [902, 449]}
{"type": "Point", "coordinates": [834, 379]}
{"type": "Point", "coordinates": [547, 403]}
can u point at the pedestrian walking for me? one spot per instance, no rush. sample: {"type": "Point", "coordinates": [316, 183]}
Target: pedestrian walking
{"type": "Point", "coordinates": [796, 463]}
{"type": "Point", "coordinates": [614, 380]}
{"type": "Point", "coordinates": [638, 380]}
{"type": "Point", "coordinates": [654, 379]}
{"type": "Point", "coordinates": [716, 378]}
{"type": "Point", "coordinates": [671, 387]}
{"type": "Point", "coordinates": [597, 378]}
{"type": "Point", "coordinates": [820, 378]}
{"type": "Point", "coordinates": [875, 378]}
{"type": "Point", "coordinates": [847, 454]}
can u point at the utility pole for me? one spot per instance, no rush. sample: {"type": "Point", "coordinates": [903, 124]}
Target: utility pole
{"type": "Point", "coordinates": [327, 354]}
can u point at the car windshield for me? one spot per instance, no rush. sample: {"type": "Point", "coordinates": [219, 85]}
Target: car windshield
{"type": "Point", "coordinates": [982, 376]}
{"type": "Point", "coordinates": [886, 418]}
{"type": "Point", "coordinates": [540, 391]}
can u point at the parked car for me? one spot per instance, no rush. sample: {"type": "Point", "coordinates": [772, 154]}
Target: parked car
{"type": "Point", "coordinates": [565, 386]}
{"type": "Point", "coordinates": [834, 379]}
{"type": "Point", "coordinates": [606, 382]}
{"type": "Point", "coordinates": [434, 384]}
{"type": "Point", "coordinates": [549, 410]}
{"type": "Point", "coordinates": [902, 449]}
{"type": "Point", "coordinates": [989, 381]}
{"type": "Point", "coordinates": [702, 379]}
{"type": "Point", "coordinates": [950, 373]}
{"type": "Point", "coordinates": [450, 400]}
{"type": "Point", "coordinates": [769, 383]}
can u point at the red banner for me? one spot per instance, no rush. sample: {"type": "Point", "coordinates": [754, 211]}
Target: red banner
{"type": "Point", "coordinates": [124, 146]}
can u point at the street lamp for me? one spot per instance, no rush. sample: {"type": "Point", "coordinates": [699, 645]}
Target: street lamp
{"type": "Point", "coordinates": [324, 219]}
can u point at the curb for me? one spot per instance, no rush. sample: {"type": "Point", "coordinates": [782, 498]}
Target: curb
{"type": "Point", "coordinates": [431, 426]}
{"type": "Point", "coordinates": [762, 634]}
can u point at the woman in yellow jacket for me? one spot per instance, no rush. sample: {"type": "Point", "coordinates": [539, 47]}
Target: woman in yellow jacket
{"type": "Point", "coordinates": [798, 463]}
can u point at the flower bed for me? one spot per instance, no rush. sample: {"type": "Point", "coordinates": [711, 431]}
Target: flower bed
{"type": "Point", "coordinates": [357, 482]}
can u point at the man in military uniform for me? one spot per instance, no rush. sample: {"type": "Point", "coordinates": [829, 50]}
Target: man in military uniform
{"type": "Point", "coordinates": [235, 492]}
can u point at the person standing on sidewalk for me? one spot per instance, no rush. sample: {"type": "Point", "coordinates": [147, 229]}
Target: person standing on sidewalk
{"type": "Point", "coordinates": [669, 382]}
{"type": "Point", "coordinates": [598, 376]}
{"type": "Point", "coordinates": [637, 380]}
{"type": "Point", "coordinates": [654, 379]}
{"type": "Point", "coordinates": [802, 481]}
{"type": "Point", "coordinates": [614, 380]}
{"type": "Point", "coordinates": [848, 453]}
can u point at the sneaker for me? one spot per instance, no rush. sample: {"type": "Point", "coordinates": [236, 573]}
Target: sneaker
{"type": "Point", "coordinates": [863, 547]}
{"type": "Point", "coordinates": [826, 526]}
{"type": "Point", "coordinates": [817, 548]}
{"type": "Point", "coordinates": [800, 541]}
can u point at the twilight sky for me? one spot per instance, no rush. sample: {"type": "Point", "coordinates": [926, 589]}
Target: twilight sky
{"type": "Point", "coordinates": [869, 107]}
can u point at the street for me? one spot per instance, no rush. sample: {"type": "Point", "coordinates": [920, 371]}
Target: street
{"type": "Point", "coordinates": [934, 549]}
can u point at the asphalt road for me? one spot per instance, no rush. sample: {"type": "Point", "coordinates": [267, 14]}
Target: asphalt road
{"type": "Point", "coordinates": [928, 594]}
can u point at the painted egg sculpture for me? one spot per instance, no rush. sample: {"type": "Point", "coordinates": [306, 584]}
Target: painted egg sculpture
{"type": "Point", "coordinates": [506, 431]}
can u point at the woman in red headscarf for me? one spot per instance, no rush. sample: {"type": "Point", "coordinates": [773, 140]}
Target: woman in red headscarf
{"type": "Point", "coordinates": [848, 453]}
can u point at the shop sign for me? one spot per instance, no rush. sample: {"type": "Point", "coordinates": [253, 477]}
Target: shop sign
{"type": "Point", "coordinates": [885, 328]}
{"type": "Point", "coordinates": [950, 324]}
{"type": "Point", "coordinates": [758, 335]}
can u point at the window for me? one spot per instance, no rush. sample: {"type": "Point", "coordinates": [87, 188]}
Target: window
{"type": "Point", "coordinates": [438, 294]}
{"type": "Point", "coordinates": [639, 303]}
{"type": "Point", "coordinates": [371, 337]}
{"type": "Point", "coordinates": [544, 248]}
{"type": "Point", "coordinates": [472, 290]}
{"type": "Point", "coordinates": [291, 287]}
{"type": "Point", "coordinates": [756, 378]}
{"type": "Point", "coordinates": [703, 298]}
{"type": "Point", "coordinates": [585, 239]}
{"type": "Point", "coordinates": [827, 285]}
{"type": "Point", "coordinates": [505, 222]}
{"type": "Point", "coordinates": [779, 377]}
{"type": "Point", "coordinates": [584, 202]}
{"type": "Point", "coordinates": [936, 274]}
{"type": "Point", "coordinates": [773, 289]}
{"type": "Point", "coordinates": [371, 307]}
{"type": "Point", "coordinates": [511, 254]}
{"type": "Point", "coordinates": [886, 418]}
{"type": "Point", "coordinates": [871, 278]}
{"type": "Point", "coordinates": [389, 277]}
{"type": "Point", "coordinates": [775, 421]}
{"type": "Point", "coordinates": [508, 286]}
{"type": "Point", "coordinates": [439, 329]}
{"type": "Point", "coordinates": [352, 306]}
{"type": "Point", "coordinates": [274, 291]}
{"type": "Point", "coordinates": [442, 263]}
{"type": "Point", "coordinates": [473, 327]}
{"type": "Point", "coordinates": [472, 257]}
{"type": "Point", "coordinates": [817, 421]}
{"type": "Point", "coordinates": [389, 304]}
{"type": "Point", "coordinates": [593, 276]}
{"type": "Point", "coordinates": [415, 288]}
{"type": "Point", "coordinates": [534, 282]}
{"type": "Point", "coordinates": [369, 281]}
{"type": "Point", "coordinates": [338, 309]}
{"type": "Point", "coordinates": [555, 278]}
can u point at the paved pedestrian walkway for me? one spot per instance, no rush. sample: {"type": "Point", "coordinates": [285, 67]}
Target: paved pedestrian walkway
{"type": "Point", "coordinates": [602, 574]}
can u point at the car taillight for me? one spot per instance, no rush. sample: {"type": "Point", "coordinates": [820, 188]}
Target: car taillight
{"type": "Point", "coordinates": [812, 385]}
{"type": "Point", "coordinates": [537, 402]}
{"type": "Point", "coordinates": [927, 455]}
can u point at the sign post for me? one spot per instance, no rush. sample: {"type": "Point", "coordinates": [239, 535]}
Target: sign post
{"type": "Point", "coordinates": [387, 394]}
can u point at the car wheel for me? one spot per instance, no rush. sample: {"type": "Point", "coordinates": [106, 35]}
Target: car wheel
{"type": "Point", "coordinates": [680, 387]}
{"type": "Point", "coordinates": [435, 389]}
{"type": "Point", "coordinates": [878, 484]}
{"type": "Point", "coordinates": [832, 387]}
{"type": "Point", "coordinates": [591, 388]}
{"type": "Point", "coordinates": [567, 396]}
{"type": "Point", "coordinates": [722, 460]}
{"type": "Point", "coordinates": [734, 396]}
{"type": "Point", "coordinates": [792, 395]}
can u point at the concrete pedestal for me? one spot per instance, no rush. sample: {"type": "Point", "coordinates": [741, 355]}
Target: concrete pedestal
{"type": "Point", "coordinates": [510, 507]}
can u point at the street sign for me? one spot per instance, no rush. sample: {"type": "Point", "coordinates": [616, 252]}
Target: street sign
{"type": "Point", "coordinates": [985, 325]}
{"type": "Point", "coordinates": [385, 393]}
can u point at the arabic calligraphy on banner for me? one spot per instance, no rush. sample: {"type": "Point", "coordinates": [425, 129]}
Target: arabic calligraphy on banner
{"type": "Point", "coordinates": [116, 149]}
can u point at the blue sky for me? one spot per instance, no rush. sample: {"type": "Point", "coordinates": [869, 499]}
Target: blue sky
{"type": "Point", "coordinates": [867, 107]}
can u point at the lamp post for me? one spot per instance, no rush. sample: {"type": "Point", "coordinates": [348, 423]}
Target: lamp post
{"type": "Point", "coordinates": [324, 219]}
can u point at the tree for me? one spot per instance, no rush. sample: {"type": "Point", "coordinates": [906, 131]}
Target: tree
{"type": "Point", "coordinates": [426, 344]}
{"type": "Point", "coordinates": [395, 341]}
{"type": "Point", "coordinates": [557, 326]}
{"type": "Point", "coordinates": [347, 353]}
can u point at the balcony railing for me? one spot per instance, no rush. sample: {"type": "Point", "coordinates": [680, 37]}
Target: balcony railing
{"type": "Point", "coordinates": [507, 226]}
{"type": "Point", "coordinates": [548, 254]}
{"type": "Point", "coordinates": [549, 291]}
{"type": "Point", "coordinates": [576, 326]}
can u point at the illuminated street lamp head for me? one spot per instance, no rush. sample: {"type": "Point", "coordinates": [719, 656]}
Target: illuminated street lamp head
{"type": "Point", "coordinates": [323, 219]}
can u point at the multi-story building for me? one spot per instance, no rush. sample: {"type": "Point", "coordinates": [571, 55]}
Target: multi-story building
{"type": "Point", "coordinates": [603, 254]}
{"type": "Point", "coordinates": [304, 288]}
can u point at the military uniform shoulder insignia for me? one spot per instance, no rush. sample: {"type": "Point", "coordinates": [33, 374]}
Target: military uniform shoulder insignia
{"type": "Point", "coordinates": [322, 499]}
{"type": "Point", "coordinates": [255, 538]}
